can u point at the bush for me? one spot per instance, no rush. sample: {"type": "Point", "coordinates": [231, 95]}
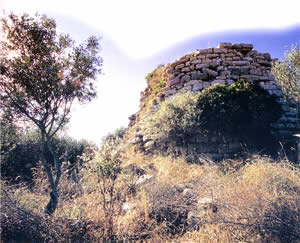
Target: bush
{"type": "Point", "coordinates": [22, 154]}
{"type": "Point", "coordinates": [243, 110]}
{"type": "Point", "coordinates": [169, 207]}
{"type": "Point", "coordinates": [100, 176]}
{"type": "Point", "coordinates": [175, 120]}
{"type": "Point", "coordinates": [287, 73]}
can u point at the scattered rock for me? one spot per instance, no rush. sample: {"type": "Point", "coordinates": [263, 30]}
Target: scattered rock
{"type": "Point", "coordinates": [128, 207]}
{"type": "Point", "coordinates": [134, 170]}
{"type": "Point", "coordinates": [144, 179]}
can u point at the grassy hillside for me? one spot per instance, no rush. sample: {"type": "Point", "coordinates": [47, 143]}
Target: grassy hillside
{"type": "Point", "coordinates": [117, 193]}
{"type": "Point", "coordinates": [137, 197]}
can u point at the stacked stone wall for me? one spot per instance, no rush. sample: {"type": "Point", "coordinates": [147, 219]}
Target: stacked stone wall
{"type": "Point", "coordinates": [225, 65]}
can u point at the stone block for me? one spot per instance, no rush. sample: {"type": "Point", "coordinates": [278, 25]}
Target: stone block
{"type": "Point", "coordinates": [210, 50]}
{"type": "Point", "coordinates": [243, 47]}
{"type": "Point", "coordinates": [229, 55]}
{"type": "Point", "coordinates": [220, 50]}
{"type": "Point", "coordinates": [174, 81]}
{"type": "Point", "coordinates": [250, 78]}
{"type": "Point", "coordinates": [205, 85]}
{"type": "Point", "coordinates": [264, 63]}
{"type": "Point", "coordinates": [220, 68]}
{"type": "Point", "coordinates": [236, 58]}
{"type": "Point", "coordinates": [189, 87]}
{"type": "Point", "coordinates": [170, 71]}
{"type": "Point", "coordinates": [197, 61]}
{"type": "Point", "coordinates": [217, 81]}
{"type": "Point", "coordinates": [241, 63]}
{"type": "Point", "coordinates": [277, 92]}
{"type": "Point", "coordinates": [249, 59]}
{"type": "Point", "coordinates": [192, 82]}
{"type": "Point", "coordinates": [267, 56]}
{"type": "Point", "coordinates": [229, 81]}
{"type": "Point", "coordinates": [201, 57]}
{"type": "Point", "coordinates": [185, 78]}
{"type": "Point", "coordinates": [210, 72]}
{"type": "Point", "coordinates": [179, 86]}
{"type": "Point", "coordinates": [278, 126]}
{"type": "Point", "coordinates": [212, 56]}
{"type": "Point", "coordinates": [170, 92]}
{"type": "Point", "coordinates": [221, 77]}
{"type": "Point", "coordinates": [203, 51]}
{"type": "Point", "coordinates": [200, 66]}
{"type": "Point", "coordinates": [179, 66]}
{"type": "Point", "coordinates": [197, 86]}
{"type": "Point", "coordinates": [226, 45]}
{"type": "Point", "coordinates": [185, 69]}
{"type": "Point", "coordinates": [264, 79]}
{"type": "Point", "coordinates": [136, 140]}
{"type": "Point", "coordinates": [214, 64]}
{"type": "Point", "coordinates": [291, 125]}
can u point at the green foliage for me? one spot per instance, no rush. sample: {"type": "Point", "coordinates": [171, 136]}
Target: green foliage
{"type": "Point", "coordinates": [243, 110]}
{"type": "Point", "coordinates": [175, 120]}
{"type": "Point", "coordinates": [158, 87]}
{"type": "Point", "coordinates": [108, 162]}
{"type": "Point", "coordinates": [8, 135]}
{"type": "Point", "coordinates": [44, 71]}
{"type": "Point", "coordinates": [287, 73]}
{"type": "Point", "coordinates": [42, 74]}
{"type": "Point", "coordinates": [150, 75]}
{"type": "Point", "coordinates": [23, 154]}
{"type": "Point", "coordinates": [114, 138]}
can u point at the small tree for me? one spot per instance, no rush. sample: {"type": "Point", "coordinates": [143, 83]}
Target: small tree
{"type": "Point", "coordinates": [42, 74]}
{"type": "Point", "coordinates": [108, 165]}
{"type": "Point", "coordinates": [287, 75]}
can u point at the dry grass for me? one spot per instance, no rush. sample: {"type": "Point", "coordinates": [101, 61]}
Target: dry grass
{"type": "Point", "coordinates": [257, 201]}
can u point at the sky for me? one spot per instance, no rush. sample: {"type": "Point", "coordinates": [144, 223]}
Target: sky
{"type": "Point", "coordinates": [138, 35]}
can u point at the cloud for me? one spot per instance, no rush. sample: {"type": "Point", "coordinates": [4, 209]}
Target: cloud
{"type": "Point", "coordinates": [142, 28]}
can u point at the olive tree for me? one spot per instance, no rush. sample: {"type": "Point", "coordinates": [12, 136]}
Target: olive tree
{"type": "Point", "coordinates": [287, 75]}
{"type": "Point", "coordinates": [42, 74]}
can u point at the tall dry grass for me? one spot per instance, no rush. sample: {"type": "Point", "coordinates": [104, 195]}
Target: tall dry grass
{"type": "Point", "coordinates": [234, 201]}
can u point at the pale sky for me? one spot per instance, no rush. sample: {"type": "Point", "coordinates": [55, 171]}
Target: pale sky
{"type": "Point", "coordinates": [135, 34]}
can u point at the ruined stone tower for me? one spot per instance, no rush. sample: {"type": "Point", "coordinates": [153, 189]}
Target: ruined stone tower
{"type": "Point", "coordinates": [225, 65]}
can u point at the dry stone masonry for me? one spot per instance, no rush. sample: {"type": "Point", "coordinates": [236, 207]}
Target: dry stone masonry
{"type": "Point", "coordinates": [225, 65]}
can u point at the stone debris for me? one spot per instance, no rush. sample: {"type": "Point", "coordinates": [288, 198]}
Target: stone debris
{"type": "Point", "coordinates": [144, 179]}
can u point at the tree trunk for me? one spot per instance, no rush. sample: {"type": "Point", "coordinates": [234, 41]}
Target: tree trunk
{"type": "Point", "coordinates": [52, 204]}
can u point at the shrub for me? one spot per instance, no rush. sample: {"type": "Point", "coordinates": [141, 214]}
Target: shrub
{"type": "Point", "coordinates": [23, 153]}
{"type": "Point", "coordinates": [175, 120]}
{"type": "Point", "coordinates": [287, 73]}
{"type": "Point", "coordinates": [169, 207]}
{"type": "Point", "coordinates": [242, 110]}
{"type": "Point", "coordinates": [100, 176]}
